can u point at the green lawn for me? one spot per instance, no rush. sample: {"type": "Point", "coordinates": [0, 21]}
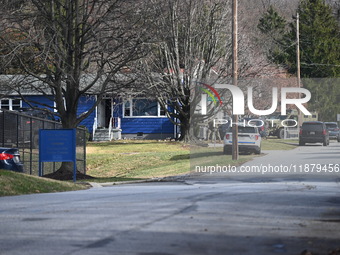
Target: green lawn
{"type": "Point", "coordinates": [137, 159]}
{"type": "Point", "coordinates": [13, 183]}
{"type": "Point", "coordinates": [279, 144]}
{"type": "Point", "coordinates": [140, 159]}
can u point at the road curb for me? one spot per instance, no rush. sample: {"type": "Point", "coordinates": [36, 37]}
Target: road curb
{"type": "Point", "coordinates": [161, 179]}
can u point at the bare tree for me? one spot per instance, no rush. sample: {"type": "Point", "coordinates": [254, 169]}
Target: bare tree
{"type": "Point", "coordinates": [72, 47]}
{"type": "Point", "coordinates": [191, 46]}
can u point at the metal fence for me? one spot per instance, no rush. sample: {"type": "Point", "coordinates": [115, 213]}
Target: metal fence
{"type": "Point", "coordinates": [291, 132]}
{"type": "Point", "coordinates": [22, 131]}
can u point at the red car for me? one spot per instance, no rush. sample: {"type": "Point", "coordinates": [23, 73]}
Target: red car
{"type": "Point", "coordinates": [10, 160]}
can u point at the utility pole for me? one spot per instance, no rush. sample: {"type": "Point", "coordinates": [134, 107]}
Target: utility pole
{"type": "Point", "coordinates": [298, 50]}
{"type": "Point", "coordinates": [235, 152]}
{"type": "Point", "coordinates": [298, 64]}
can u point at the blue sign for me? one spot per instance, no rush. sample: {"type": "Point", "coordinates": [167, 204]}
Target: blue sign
{"type": "Point", "coordinates": [57, 145]}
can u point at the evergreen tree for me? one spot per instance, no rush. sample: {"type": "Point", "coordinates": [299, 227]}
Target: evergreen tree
{"type": "Point", "coordinates": [273, 27]}
{"type": "Point", "coordinates": [272, 22]}
{"type": "Point", "coordinates": [319, 42]}
{"type": "Point", "coordinates": [319, 52]}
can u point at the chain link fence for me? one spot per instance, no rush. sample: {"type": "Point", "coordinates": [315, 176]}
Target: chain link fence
{"type": "Point", "coordinates": [21, 131]}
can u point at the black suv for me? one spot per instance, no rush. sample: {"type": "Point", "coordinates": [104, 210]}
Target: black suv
{"type": "Point", "coordinates": [313, 132]}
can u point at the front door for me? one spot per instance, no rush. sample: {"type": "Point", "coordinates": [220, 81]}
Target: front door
{"type": "Point", "coordinates": [104, 113]}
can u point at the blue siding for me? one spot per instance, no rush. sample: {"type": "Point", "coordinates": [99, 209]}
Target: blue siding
{"type": "Point", "coordinates": [147, 125]}
{"type": "Point", "coordinates": [39, 101]}
{"type": "Point", "coordinates": [85, 103]}
{"type": "Point", "coordinates": [118, 108]}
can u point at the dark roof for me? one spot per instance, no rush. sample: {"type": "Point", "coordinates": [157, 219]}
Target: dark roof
{"type": "Point", "coordinates": [11, 85]}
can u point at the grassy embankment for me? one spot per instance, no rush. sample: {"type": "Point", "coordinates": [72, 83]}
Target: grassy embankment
{"type": "Point", "coordinates": [12, 183]}
{"type": "Point", "coordinates": [131, 160]}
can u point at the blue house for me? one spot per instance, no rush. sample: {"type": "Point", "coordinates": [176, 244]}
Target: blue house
{"type": "Point", "coordinates": [130, 118]}
{"type": "Point", "coordinates": [114, 118]}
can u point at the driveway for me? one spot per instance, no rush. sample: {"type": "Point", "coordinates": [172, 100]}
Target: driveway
{"type": "Point", "coordinates": [220, 213]}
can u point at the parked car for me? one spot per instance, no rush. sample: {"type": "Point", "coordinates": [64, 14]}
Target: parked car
{"type": "Point", "coordinates": [10, 159]}
{"type": "Point", "coordinates": [313, 132]}
{"type": "Point", "coordinates": [262, 125]}
{"type": "Point", "coordinates": [249, 140]}
{"type": "Point", "coordinates": [333, 130]}
{"type": "Point", "coordinates": [223, 129]}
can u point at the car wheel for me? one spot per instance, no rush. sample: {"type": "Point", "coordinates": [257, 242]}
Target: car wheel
{"type": "Point", "coordinates": [324, 143]}
{"type": "Point", "coordinates": [338, 139]}
{"type": "Point", "coordinates": [301, 143]}
{"type": "Point", "coordinates": [258, 151]}
{"type": "Point", "coordinates": [281, 134]}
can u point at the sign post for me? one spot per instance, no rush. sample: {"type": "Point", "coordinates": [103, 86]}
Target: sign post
{"type": "Point", "coordinates": [57, 145]}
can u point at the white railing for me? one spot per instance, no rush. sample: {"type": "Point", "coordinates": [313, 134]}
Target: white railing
{"type": "Point", "coordinates": [110, 127]}
{"type": "Point", "coordinates": [116, 122]}
{"type": "Point", "coordinates": [94, 127]}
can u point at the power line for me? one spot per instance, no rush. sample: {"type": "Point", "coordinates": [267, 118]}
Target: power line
{"type": "Point", "coordinates": [317, 64]}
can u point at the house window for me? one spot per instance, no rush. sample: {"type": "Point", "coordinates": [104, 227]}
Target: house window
{"type": "Point", "coordinates": [10, 104]}
{"type": "Point", "coordinates": [127, 109]}
{"type": "Point", "coordinates": [142, 107]}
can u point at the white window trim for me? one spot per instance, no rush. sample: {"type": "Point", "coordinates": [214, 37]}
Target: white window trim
{"type": "Point", "coordinates": [10, 103]}
{"type": "Point", "coordinates": [130, 100]}
{"type": "Point", "coordinates": [159, 109]}
{"type": "Point", "coordinates": [55, 105]}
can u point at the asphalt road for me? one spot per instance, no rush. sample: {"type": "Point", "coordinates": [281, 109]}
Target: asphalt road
{"type": "Point", "coordinates": [221, 213]}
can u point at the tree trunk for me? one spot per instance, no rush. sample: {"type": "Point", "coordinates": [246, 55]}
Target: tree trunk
{"type": "Point", "coordinates": [187, 130]}
{"type": "Point", "coordinates": [65, 172]}
{"type": "Point", "coordinates": [68, 122]}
